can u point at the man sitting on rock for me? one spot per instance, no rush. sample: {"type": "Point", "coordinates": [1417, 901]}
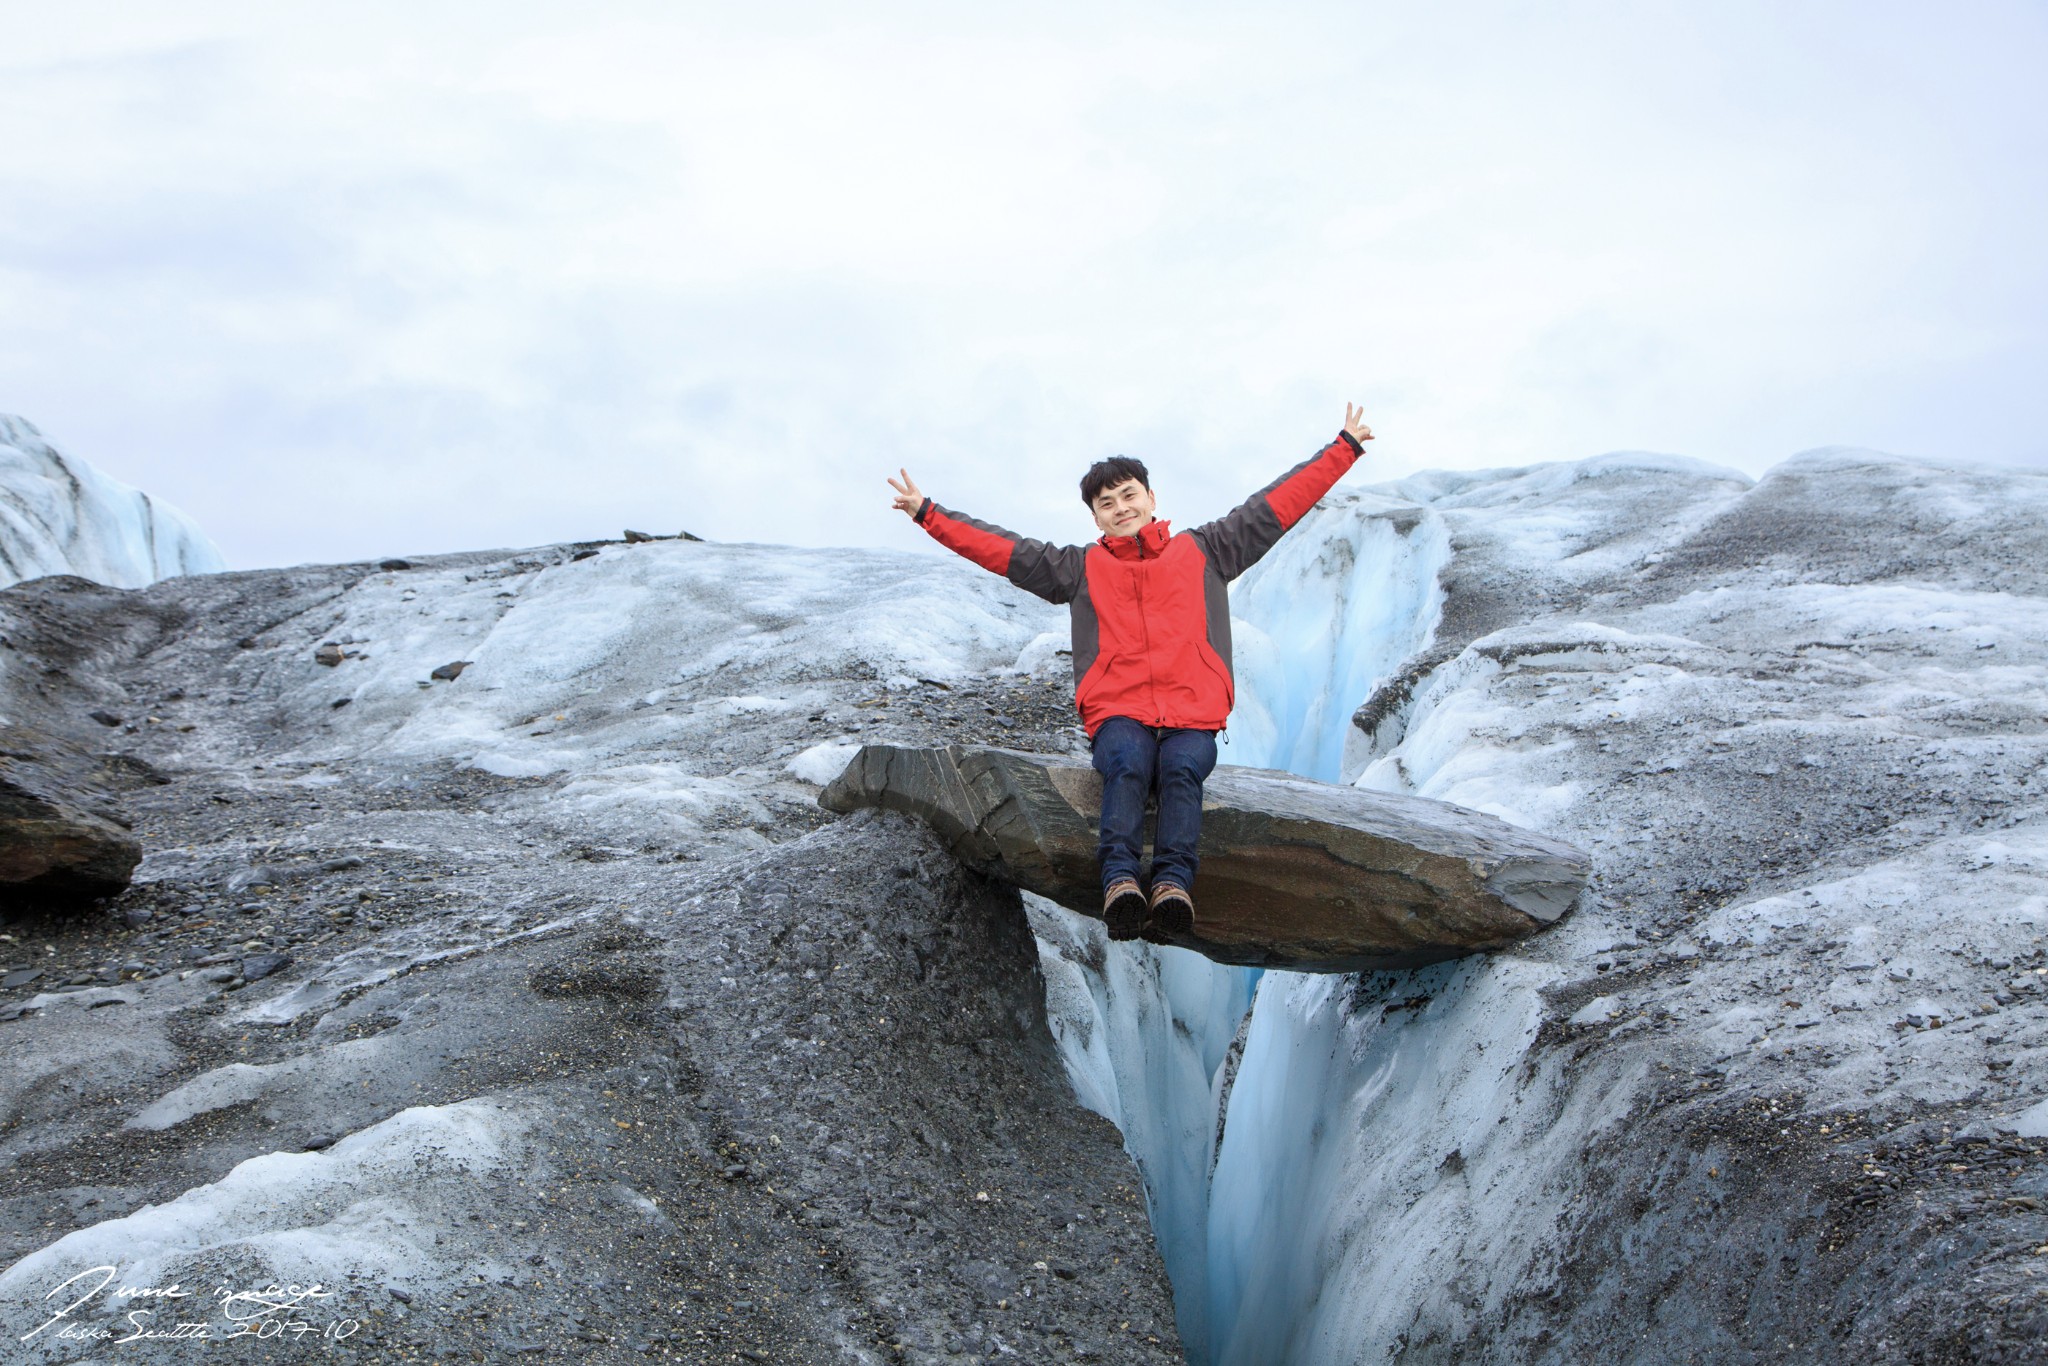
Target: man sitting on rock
{"type": "Point", "coordinates": [1151, 620]}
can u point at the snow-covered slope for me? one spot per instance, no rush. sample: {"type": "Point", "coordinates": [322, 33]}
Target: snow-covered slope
{"type": "Point", "coordinates": [59, 515]}
{"type": "Point", "coordinates": [1802, 724]}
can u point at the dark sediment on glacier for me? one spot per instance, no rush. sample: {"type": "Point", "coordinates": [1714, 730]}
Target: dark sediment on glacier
{"type": "Point", "coordinates": [613, 1097]}
{"type": "Point", "coordinates": [1295, 874]}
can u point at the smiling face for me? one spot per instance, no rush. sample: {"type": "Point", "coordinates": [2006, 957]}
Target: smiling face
{"type": "Point", "coordinates": [1123, 509]}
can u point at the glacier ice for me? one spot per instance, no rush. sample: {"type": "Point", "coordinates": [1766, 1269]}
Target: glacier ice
{"type": "Point", "coordinates": [365, 1210]}
{"type": "Point", "coordinates": [1146, 1035]}
{"type": "Point", "coordinates": [609, 676]}
{"type": "Point", "coordinates": [59, 515]}
{"type": "Point", "coordinates": [1813, 702]}
{"type": "Point", "coordinates": [820, 764]}
{"type": "Point", "coordinates": [1800, 722]}
{"type": "Point", "coordinates": [1343, 599]}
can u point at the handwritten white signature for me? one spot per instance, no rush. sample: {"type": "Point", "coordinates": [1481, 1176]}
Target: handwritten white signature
{"type": "Point", "coordinates": [270, 1312]}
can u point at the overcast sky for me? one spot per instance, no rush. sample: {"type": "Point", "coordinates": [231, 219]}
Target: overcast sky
{"type": "Point", "coordinates": [351, 280]}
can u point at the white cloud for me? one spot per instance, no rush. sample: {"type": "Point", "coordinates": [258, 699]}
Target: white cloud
{"type": "Point", "coordinates": [440, 276]}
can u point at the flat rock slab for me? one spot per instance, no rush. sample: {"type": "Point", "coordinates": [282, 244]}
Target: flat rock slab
{"type": "Point", "coordinates": [1296, 874]}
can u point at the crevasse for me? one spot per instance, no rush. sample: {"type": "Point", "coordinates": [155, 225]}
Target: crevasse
{"type": "Point", "coordinates": [1172, 1047]}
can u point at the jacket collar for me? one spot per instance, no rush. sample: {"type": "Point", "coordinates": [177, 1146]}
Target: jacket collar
{"type": "Point", "coordinates": [1150, 541]}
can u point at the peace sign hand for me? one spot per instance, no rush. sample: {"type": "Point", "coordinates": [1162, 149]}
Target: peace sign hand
{"type": "Point", "coordinates": [1354, 424]}
{"type": "Point", "coordinates": [908, 498]}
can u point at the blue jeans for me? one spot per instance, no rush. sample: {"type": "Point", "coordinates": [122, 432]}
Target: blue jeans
{"type": "Point", "coordinates": [1131, 757]}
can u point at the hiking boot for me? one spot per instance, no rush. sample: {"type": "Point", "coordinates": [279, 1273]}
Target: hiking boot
{"type": "Point", "coordinates": [1173, 910]}
{"type": "Point", "coordinates": [1123, 909]}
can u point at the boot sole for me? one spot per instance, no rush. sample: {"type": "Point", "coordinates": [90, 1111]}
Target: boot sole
{"type": "Point", "coordinates": [1125, 916]}
{"type": "Point", "coordinates": [1174, 916]}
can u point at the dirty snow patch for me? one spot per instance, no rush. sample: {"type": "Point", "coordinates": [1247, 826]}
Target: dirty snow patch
{"type": "Point", "coordinates": [820, 764]}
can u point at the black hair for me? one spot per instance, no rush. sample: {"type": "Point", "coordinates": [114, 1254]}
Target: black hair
{"type": "Point", "coordinates": [1106, 474]}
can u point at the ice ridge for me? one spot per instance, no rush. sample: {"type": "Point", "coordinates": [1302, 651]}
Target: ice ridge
{"type": "Point", "coordinates": [59, 515]}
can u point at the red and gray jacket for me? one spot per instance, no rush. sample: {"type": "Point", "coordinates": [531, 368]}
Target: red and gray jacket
{"type": "Point", "coordinates": [1151, 613]}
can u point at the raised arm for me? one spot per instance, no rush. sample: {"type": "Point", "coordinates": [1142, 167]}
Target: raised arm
{"type": "Point", "coordinates": [1052, 572]}
{"type": "Point", "coordinates": [1237, 540]}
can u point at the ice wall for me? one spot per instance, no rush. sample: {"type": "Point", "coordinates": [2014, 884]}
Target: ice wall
{"type": "Point", "coordinates": [1392, 1103]}
{"type": "Point", "coordinates": [1147, 1035]}
{"type": "Point", "coordinates": [1152, 1036]}
{"type": "Point", "coordinates": [1408, 1121]}
{"type": "Point", "coordinates": [59, 515]}
{"type": "Point", "coordinates": [1350, 593]}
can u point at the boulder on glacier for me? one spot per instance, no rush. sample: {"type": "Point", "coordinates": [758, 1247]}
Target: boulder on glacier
{"type": "Point", "coordinates": [1296, 874]}
{"type": "Point", "coordinates": [57, 834]}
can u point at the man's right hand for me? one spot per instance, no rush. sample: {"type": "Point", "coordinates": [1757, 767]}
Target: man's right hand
{"type": "Point", "coordinates": [908, 498]}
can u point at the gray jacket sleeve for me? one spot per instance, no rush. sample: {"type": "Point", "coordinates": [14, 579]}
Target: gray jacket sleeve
{"type": "Point", "coordinates": [1237, 540]}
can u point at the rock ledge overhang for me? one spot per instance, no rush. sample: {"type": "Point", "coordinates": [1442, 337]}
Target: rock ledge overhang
{"type": "Point", "coordinates": [1296, 874]}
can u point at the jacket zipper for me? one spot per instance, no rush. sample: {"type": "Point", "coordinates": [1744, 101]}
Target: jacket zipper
{"type": "Point", "coordinates": [1145, 621]}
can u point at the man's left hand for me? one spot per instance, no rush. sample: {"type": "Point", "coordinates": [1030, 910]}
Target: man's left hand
{"type": "Point", "coordinates": [1354, 425]}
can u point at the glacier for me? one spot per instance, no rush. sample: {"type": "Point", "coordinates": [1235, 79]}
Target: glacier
{"type": "Point", "coordinates": [783, 1081]}
{"type": "Point", "coordinates": [59, 515]}
{"type": "Point", "coordinates": [1772, 1092]}
{"type": "Point", "coordinates": [1787, 714]}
